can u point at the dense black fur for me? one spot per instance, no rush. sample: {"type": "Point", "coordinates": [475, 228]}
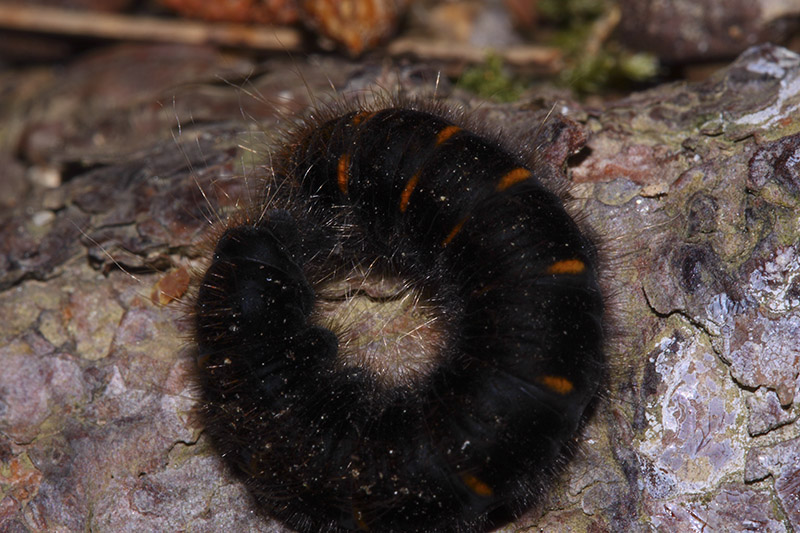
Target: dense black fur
{"type": "Point", "coordinates": [325, 448]}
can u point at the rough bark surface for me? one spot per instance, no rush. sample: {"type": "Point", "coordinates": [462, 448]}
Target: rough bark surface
{"type": "Point", "coordinates": [693, 191]}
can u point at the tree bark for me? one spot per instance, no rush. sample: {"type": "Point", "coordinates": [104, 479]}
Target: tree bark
{"type": "Point", "coordinates": [691, 190]}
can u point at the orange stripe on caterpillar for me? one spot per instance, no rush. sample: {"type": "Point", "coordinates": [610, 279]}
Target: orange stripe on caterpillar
{"type": "Point", "coordinates": [362, 117]}
{"type": "Point", "coordinates": [557, 384]}
{"type": "Point", "coordinates": [343, 172]}
{"type": "Point", "coordinates": [453, 232]}
{"type": "Point", "coordinates": [513, 177]}
{"type": "Point", "coordinates": [446, 133]}
{"type": "Point", "coordinates": [476, 485]}
{"type": "Point", "coordinates": [567, 266]}
{"type": "Point", "coordinates": [405, 196]}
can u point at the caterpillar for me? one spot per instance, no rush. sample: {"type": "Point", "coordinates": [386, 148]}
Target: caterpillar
{"type": "Point", "coordinates": [406, 332]}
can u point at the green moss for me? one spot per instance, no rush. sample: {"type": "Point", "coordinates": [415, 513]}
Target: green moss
{"type": "Point", "coordinates": [593, 68]}
{"type": "Point", "coordinates": [588, 68]}
{"type": "Point", "coordinates": [491, 80]}
{"type": "Point", "coordinates": [608, 68]}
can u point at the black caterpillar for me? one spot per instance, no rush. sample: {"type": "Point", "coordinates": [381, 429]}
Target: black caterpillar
{"type": "Point", "coordinates": [455, 423]}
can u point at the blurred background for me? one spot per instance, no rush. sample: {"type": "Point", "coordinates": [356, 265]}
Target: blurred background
{"type": "Point", "coordinates": [493, 46]}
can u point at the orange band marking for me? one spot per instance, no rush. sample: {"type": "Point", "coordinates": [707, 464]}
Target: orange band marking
{"type": "Point", "coordinates": [513, 177]}
{"type": "Point", "coordinates": [405, 196]}
{"type": "Point", "coordinates": [476, 485]}
{"type": "Point", "coordinates": [557, 384]}
{"type": "Point", "coordinates": [362, 117]}
{"type": "Point", "coordinates": [446, 133]}
{"type": "Point", "coordinates": [567, 266]}
{"type": "Point", "coordinates": [454, 232]}
{"type": "Point", "coordinates": [343, 172]}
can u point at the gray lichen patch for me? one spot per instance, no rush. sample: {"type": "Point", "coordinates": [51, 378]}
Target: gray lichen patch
{"type": "Point", "coordinates": [777, 71]}
{"type": "Point", "coordinates": [757, 335]}
{"type": "Point", "coordinates": [692, 430]}
{"type": "Point", "coordinates": [734, 507]}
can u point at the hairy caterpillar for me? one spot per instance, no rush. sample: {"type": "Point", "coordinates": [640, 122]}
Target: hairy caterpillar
{"type": "Point", "coordinates": [491, 323]}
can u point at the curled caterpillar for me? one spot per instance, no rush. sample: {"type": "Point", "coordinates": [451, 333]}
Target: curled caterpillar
{"type": "Point", "coordinates": [406, 337]}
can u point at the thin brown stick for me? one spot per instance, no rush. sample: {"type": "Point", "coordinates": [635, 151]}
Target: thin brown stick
{"type": "Point", "coordinates": [544, 57]}
{"type": "Point", "coordinates": [113, 26]}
